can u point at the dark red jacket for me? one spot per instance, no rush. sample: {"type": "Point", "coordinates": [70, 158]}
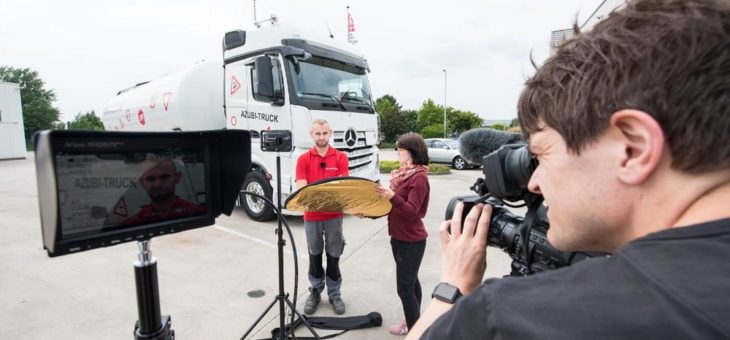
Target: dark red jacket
{"type": "Point", "coordinates": [405, 221]}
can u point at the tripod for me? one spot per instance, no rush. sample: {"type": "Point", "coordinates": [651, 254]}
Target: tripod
{"type": "Point", "coordinates": [150, 325]}
{"type": "Point", "coordinates": [282, 298]}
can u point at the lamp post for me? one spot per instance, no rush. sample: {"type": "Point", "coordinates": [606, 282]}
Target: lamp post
{"type": "Point", "coordinates": [445, 74]}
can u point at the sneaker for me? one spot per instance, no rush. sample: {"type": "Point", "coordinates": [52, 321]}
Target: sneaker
{"type": "Point", "coordinates": [310, 306]}
{"type": "Point", "coordinates": [399, 329]}
{"type": "Point", "coordinates": [338, 305]}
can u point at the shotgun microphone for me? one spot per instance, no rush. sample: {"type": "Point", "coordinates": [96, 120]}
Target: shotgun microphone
{"type": "Point", "coordinates": [477, 143]}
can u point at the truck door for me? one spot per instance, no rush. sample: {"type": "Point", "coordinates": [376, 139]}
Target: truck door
{"type": "Point", "coordinates": [265, 108]}
{"type": "Point", "coordinates": [262, 110]}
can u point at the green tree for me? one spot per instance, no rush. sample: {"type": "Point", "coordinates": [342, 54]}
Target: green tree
{"type": "Point", "coordinates": [431, 114]}
{"type": "Point", "coordinates": [460, 121]}
{"type": "Point", "coordinates": [499, 126]}
{"type": "Point", "coordinates": [37, 101]}
{"type": "Point", "coordinates": [87, 121]}
{"type": "Point", "coordinates": [433, 131]}
{"type": "Point", "coordinates": [514, 123]}
{"type": "Point", "coordinates": [392, 122]}
{"type": "Point", "coordinates": [387, 102]}
{"type": "Point", "coordinates": [59, 126]}
{"type": "Point", "coordinates": [411, 118]}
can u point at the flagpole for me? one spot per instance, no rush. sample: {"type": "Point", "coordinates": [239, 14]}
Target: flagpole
{"type": "Point", "coordinates": [254, 12]}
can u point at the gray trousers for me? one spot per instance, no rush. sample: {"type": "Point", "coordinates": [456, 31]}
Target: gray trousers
{"type": "Point", "coordinates": [325, 236]}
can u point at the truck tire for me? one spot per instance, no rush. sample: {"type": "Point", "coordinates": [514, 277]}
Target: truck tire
{"type": "Point", "coordinates": [256, 208]}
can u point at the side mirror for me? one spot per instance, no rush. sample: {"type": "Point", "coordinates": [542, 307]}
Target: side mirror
{"type": "Point", "coordinates": [234, 39]}
{"type": "Point", "coordinates": [264, 89]}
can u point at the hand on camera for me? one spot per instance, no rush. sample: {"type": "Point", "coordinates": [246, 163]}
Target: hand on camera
{"type": "Point", "coordinates": [463, 259]}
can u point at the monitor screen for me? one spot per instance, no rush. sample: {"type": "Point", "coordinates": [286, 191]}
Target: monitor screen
{"type": "Point", "coordinates": [100, 192]}
{"type": "Point", "coordinates": [100, 188]}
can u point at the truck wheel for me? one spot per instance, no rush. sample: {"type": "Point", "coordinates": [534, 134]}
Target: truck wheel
{"type": "Point", "coordinates": [459, 163]}
{"type": "Point", "coordinates": [256, 208]}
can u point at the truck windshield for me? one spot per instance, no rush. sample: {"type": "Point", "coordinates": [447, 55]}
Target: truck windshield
{"type": "Point", "coordinates": [318, 79]}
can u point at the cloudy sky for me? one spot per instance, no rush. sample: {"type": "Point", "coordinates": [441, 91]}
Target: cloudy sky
{"type": "Point", "coordinates": [87, 50]}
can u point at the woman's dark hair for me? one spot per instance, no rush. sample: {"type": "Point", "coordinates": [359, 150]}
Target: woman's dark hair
{"type": "Point", "coordinates": [415, 144]}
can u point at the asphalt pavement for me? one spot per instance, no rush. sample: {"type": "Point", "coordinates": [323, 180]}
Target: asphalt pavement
{"type": "Point", "coordinates": [214, 281]}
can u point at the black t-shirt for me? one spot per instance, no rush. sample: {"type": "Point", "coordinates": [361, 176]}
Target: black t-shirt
{"type": "Point", "coordinates": [673, 284]}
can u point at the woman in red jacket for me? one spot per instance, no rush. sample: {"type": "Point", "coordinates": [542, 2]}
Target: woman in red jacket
{"type": "Point", "coordinates": [408, 192]}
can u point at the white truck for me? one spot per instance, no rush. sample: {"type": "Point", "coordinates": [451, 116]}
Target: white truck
{"type": "Point", "coordinates": [269, 79]}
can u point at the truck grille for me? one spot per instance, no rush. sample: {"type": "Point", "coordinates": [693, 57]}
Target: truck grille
{"type": "Point", "coordinates": [354, 145]}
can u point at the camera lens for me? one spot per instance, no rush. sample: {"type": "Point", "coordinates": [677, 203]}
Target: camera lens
{"type": "Point", "coordinates": [503, 229]}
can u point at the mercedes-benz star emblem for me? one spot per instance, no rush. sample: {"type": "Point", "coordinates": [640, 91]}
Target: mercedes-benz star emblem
{"type": "Point", "coordinates": [350, 137]}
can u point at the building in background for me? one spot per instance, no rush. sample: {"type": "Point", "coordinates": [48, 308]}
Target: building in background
{"type": "Point", "coordinates": [604, 8]}
{"type": "Point", "coordinates": [12, 138]}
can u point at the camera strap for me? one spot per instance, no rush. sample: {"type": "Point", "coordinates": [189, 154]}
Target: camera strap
{"type": "Point", "coordinates": [532, 208]}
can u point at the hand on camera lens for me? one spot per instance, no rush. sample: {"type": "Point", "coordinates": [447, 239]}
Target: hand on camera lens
{"type": "Point", "coordinates": [463, 259]}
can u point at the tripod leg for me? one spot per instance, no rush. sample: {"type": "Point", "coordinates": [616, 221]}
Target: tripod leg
{"type": "Point", "coordinates": [304, 321]}
{"type": "Point", "coordinates": [260, 317]}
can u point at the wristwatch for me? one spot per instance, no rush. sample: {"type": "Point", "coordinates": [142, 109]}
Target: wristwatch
{"type": "Point", "coordinates": [446, 293]}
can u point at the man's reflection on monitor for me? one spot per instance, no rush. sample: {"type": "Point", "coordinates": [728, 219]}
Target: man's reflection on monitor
{"type": "Point", "coordinates": [159, 178]}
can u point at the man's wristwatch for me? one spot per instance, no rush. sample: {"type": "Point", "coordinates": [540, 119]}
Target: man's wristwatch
{"type": "Point", "coordinates": [446, 293]}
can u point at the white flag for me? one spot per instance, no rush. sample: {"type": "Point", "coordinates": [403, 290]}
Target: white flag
{"type": "Point", "coordinates": [350, 29]}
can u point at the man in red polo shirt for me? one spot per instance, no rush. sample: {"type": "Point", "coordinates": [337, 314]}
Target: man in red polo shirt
{"type": "Point", "coordinates": [323, 229]}
{"type": "Point", "coordinates": [159, 178]}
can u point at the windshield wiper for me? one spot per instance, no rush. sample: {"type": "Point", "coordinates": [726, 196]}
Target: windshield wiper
{"type": "Point", "coordinates": [326, 96]}
{"type": "Point", "coordinates": [360, 100]}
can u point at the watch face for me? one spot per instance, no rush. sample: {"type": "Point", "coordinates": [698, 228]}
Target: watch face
{"type": "Point", "coordinates": [446, 292]}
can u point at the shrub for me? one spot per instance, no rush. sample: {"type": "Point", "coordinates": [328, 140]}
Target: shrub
{"type": "Point", "coordinates": [438, 169]}
{"type": "Point", "coordinates": [388, 166]}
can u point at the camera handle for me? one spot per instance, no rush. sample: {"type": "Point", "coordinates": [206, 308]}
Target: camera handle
{"type": "Point", "coordinates": [150, 325]}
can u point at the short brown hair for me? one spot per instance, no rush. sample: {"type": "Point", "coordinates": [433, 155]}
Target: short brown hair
{"type": "Point", "coordinates": [668, 58]}
{"type": "Point", "coordinates": [319, 121]}
{"type": "Point", "coordinates": [415, 144]}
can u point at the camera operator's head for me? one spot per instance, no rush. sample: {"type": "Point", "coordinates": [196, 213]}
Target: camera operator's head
{"type": "Point", "coordinates": [629, 123]}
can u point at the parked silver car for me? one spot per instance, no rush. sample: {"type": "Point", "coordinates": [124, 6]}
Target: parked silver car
{"type": "Point", "coordinates": [443, 150]}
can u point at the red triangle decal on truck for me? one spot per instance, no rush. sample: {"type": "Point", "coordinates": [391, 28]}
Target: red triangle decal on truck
{"type": "Point", "coordinates": [166, 99]}
{"type": "Point", "coordinates": [121, 208]}
{"type": "Point", "coordinates": [235, 85]}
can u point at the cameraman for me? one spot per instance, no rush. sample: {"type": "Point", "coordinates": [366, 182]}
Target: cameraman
{"type": "Point", "coordinates": [629, 123]}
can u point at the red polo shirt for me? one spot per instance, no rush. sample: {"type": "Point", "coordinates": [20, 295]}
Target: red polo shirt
{"type": "Point", "coordinates": [312, 167]}
{"type": "Point", "coordinates": [181, 208]}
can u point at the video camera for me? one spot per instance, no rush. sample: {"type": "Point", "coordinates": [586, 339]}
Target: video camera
{"type": "Point", "coordinates": [507, 172]}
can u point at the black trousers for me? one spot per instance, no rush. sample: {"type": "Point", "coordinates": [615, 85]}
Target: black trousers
{"type": "Point", "coordinates": [408, 256]}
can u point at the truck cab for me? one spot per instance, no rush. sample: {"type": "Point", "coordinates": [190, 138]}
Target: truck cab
{"type": "Point", "coordinates": [277, 80]}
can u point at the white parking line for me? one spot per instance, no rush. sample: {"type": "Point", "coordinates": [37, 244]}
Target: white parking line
{"type": "Point", "coordinates": [271, 245]}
